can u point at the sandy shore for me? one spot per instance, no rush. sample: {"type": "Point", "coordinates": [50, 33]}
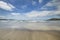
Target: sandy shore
{"type": "Point", "coordinates": [29, 35]}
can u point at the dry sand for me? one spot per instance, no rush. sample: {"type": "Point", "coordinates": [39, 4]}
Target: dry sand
{"type": "Point", "coordinates": [28, 35]}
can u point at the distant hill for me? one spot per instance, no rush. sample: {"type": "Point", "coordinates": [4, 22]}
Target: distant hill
{"type": "Point", "coordinates": [54, 19]}
{"type": "Point", "coordinates": [6, 19]}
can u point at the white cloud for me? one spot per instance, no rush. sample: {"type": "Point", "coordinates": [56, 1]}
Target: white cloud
{"type": "Point", "coordinates": [37, 13]}
{"type": "Point", "coordinates": [11, 6]}
{"type": "Point", "coordinates": [15, 14]}
{"type": "Point", "coordinates": [40, 1]}
{"type": "Point", "coordinates": [58, 7]}
{"type": "Point", "coordinates": [54, 13]}
{"type": "Point", "coordinates": [24, 6]}
{"type": "Point", "coordinates": [49, 4]}
{"type": "Point", "coordinates": [31, 15]}
{"type": "Point", "coordinates": [55, 3]}
{"type": "Point", "coordinates": [2, 17]}
{"type": "Point", "coordinates": [6, 6]}
{"type": "Point", "coordinates": [33, 2]}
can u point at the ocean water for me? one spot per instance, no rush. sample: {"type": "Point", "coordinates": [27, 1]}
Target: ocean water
{"type": "Point", "coordinates": [33, 25]}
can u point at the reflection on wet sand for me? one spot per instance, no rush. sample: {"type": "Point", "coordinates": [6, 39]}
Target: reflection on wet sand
{"type": "Point", "coordinates": [46, 25]}
{"type": "Point", "coordinates": [13, 30]}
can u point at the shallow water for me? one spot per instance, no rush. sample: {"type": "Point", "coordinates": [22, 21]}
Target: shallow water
{"type": "Point", "coordinates": [43, 25]}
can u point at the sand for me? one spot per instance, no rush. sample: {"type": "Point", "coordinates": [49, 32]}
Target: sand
{"type": "Point", "coordinates": [7, 34]}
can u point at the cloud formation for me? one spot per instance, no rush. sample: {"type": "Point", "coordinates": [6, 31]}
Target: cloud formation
{"type": "Point", "coordinates": [33, 2]}
{"type": "Point", "coordinates": [54, 13]}
{"type": "Point", "coordinates": [2, 17]}
{"type": "Point", "coordinates": [37, 13]}
{"type": "Point", "coordinates": [29, 9]}
{"type": "Point", "coordinates": [32, 15]}
{"type": "Point", "coordinates": [15, 14]}
{"type": "Point", "coordinates": [52, 5]}
{"type": "Point", "coordinates": [6, 6]}
{"type": "Point", "coordinates": [40, 1]}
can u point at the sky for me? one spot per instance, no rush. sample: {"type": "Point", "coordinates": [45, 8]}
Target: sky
{"type": "Point", "coordinates": [29, 9]}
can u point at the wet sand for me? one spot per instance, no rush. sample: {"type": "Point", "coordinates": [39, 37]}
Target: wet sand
{"type": "Point", "coordinates": [15, 34]}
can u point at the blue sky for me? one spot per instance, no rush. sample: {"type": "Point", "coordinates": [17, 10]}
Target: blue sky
{"type": "Point", "coordinates": [29, 9]}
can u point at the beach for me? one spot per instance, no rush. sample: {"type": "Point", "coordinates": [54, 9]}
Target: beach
{"type": "Point", "coordinates": [13, 30]}
{"type": "Point", "coordinates": [28, 34]}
